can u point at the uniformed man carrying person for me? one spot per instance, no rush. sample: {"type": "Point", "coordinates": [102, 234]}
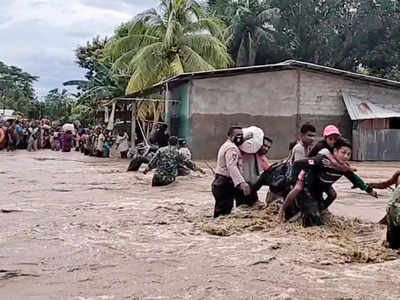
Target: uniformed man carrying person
{"type": "Point", "coordinates": [229, 184]}
{"type": "Point", "coordinates": [166, 162]}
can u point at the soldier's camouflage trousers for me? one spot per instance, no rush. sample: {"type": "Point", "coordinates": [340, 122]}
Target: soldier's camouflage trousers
{"type": "Point", "coordinates": [393, 226]}
{"type": "Point", "coordinates": [160, 180]}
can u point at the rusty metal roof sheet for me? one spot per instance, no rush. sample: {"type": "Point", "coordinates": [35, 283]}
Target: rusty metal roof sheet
{"type": "Point", "coordinates": [359, 109]}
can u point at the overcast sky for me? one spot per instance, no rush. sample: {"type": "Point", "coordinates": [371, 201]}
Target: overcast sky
{"type": "Point", "coordinates": [40, 36]}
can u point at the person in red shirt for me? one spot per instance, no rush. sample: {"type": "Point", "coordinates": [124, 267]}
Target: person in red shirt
{"type": "Point", "coordinates": [3, 138]}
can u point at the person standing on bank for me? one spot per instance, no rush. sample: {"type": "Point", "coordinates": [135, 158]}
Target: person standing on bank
{"type": "Point", "coordinates": [229, 183]}
{"type": "Point", "coordinates": [122, 143]}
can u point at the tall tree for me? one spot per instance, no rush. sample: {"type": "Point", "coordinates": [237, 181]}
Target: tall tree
{"type": "Point", "coordinates": [251, 31]}
{"type": "Point", "coordinates": [380, 44]}
{"type": "Point", "coordinates": [178, 37]}
{"type": "Point", "coordinates": [321, 32]}
{"type": "Point", "coordinates": [101, 83]}
{"type": "Point", "coordinates": [250, 28]}
{"type": "Point", "coordinates": [88, 55]}
{"type": "Point", "coordinates": [16, 90]}
{"type": "Point", "coordinates": [57, 105]}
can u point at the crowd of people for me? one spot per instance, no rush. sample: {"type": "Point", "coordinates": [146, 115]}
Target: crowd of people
{"type": "Point", "coordinates": [25, 134]}
{"type": "Point", "coordinates": [33, 135]}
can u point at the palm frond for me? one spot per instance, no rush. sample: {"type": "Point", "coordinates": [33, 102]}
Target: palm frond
{"type": "Point", "coordinates": [193, 62]}
{"type": "Point", "coordinates": [131, 42]}
{"type": "Point", "coordinates": [148, 67]}
{"type": "Point", "coordinates": [209, 48]}
{"type": "Point", "coordinates": [124, 60]}
{"type": "Point", "coordinates": [177, 66]}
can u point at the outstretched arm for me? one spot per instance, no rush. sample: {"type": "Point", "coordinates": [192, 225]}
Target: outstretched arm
{"type": "Point", "coordinates": [358, 182]}
{"type": "Point", "coordinates": [192, 166]}
{"type": "Point", "coordinates": [189, 163]}
{"type": "Point", "coordinates": [385, 184]}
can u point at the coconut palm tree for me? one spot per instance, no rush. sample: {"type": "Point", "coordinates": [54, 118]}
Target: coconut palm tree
{"type": "Point", "coordinates": [250, 29]}
{"type": "Point", "coordinates": [177, 37]}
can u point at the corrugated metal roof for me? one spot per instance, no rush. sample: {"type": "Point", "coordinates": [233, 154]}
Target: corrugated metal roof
{"type": "Point", "coordinates": [359, 109]}
{"type": "Point", "coordinates": [286, 65]}
{"type": "Point", "coordinates": [289, 64]}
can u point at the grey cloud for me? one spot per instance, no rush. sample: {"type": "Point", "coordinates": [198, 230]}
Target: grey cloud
{"type": "Point", "coordinates": [137, 5]}
{"type": "Point", "coordinates": [45, 49]}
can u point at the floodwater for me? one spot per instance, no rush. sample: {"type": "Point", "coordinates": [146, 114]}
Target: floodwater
{"type": "Point", "coordinates": [76, 227]}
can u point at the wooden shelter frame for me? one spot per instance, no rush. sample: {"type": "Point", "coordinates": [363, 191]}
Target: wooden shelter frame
{"type": "Point", "coordinates": [133, 100]}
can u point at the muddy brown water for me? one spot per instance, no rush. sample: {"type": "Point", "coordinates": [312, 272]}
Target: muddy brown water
{"type": "Point", "coordinates": [76, 227]}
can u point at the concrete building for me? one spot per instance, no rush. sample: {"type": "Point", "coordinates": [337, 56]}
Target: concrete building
{"type": "Point", "coordinates": [279, 98]}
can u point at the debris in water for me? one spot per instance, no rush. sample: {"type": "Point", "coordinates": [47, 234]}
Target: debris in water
{"type": "Point", "coordinates": [7, 211]}
{"type": "Point", "coordinates": [264, 261]}
{"type": "Point", "coordinates": [7, 274]}
{"type": "Point", "coordinates": [351, 239]}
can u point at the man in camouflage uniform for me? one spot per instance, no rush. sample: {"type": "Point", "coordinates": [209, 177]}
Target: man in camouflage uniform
{"type": "Point", "coordinates": [392, 218]}
{"type": "Point", "coordinates": [167, 160]}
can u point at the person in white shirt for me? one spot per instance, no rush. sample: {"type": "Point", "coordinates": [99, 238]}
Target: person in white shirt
{"type": "Point", "coordinates": [122, 143]}
{"type": "Point", "coordinates": [99, 141]}
{"type": "Point", "coordinates": [33, 131]}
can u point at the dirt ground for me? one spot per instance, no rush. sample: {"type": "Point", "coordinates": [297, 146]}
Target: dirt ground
{"type": "Point", "coordinates": [75, 227]}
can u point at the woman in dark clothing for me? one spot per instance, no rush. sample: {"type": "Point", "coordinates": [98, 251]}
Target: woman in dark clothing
{"type": "Point", "coordinates": [67, 141]}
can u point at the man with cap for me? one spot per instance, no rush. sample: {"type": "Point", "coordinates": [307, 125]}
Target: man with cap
{"type": "Point", "coordinates": [166, 162]}
{"type": "Point", "coordinates": [330, 136]}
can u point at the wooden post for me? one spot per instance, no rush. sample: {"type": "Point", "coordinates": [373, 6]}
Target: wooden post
{"type": "Point", "coordinates": [166, 108]}
{"type": "Point", "coordinates": [133, 126]}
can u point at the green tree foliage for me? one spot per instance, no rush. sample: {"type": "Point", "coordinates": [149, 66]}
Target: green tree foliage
{"type": "Point", "coordinates": [100, 83]}
{"type": "Point", "coordinates": [322, 32]}
{"type": "Point", "coordinates": [250, 30]}
{"type": "Point", "coordinates": [16, 90]}
{"type": "Point", "coordinates": [62, 107]}
{"type": "Point", "coordinates": [57, 105]}
{"type": "Point", "coordinates": [103, 84]}
{"type": "Point", "coordinates": [88, 56]}
{"type": "Point", "coordinates": [186, 36]}
{"type": "Point", "coordinates": [380, 27]}
{"type": "Point", "coordinates": [344, 34]}
{"type": "Point", "coordinates": [178, 37]}
{"type": "Point", "coordinates": [83, 113]}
